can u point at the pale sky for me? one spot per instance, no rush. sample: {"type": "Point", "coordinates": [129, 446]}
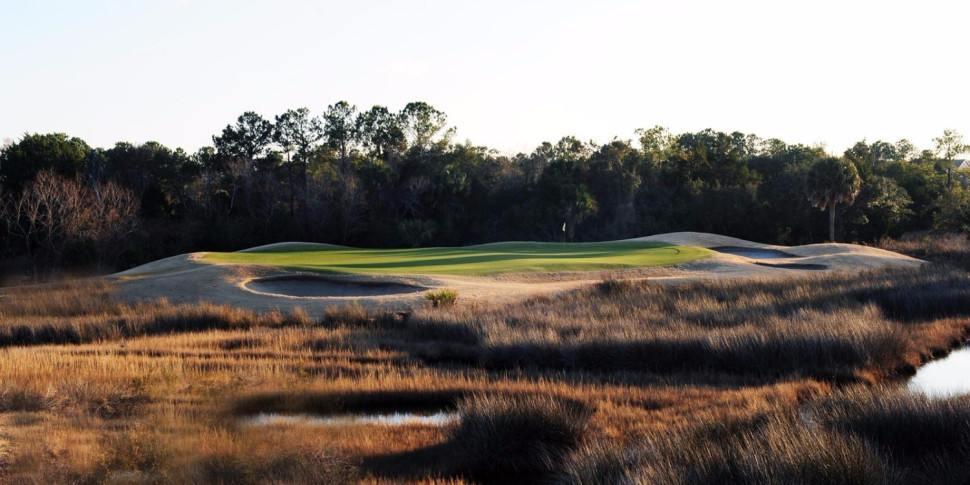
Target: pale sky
{"type": "Point", "coordinates": [509, 74]}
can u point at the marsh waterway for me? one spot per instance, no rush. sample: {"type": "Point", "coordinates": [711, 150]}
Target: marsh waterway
{"type": "Point", "coordinates": [946, 377]}
{"type": "Point", "coordinates": [392, 419]}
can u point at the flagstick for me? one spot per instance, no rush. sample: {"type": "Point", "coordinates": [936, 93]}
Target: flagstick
{"type": "Point", "coordinates": [564, 238]}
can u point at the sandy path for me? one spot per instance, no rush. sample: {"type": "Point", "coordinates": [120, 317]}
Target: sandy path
{"type": "Point", "coordinates": [186, 279]}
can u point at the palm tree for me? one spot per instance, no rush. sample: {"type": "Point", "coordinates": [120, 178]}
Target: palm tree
{"type": "Point", "coordinates": [830, 181]}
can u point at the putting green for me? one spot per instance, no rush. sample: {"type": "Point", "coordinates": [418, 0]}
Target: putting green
{"type": "Point", "coordinates": [513, 257]}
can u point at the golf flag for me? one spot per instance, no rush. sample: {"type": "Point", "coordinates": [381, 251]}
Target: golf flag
{"type": "Point", "coordinates": [563, 227]}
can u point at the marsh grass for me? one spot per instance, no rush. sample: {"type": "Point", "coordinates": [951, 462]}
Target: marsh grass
{"type": "Point", "coordinates": [914, 430]}
{"type": "Point", "coordinates": [87, 311]}
{"type": "Point", "coordinates": [872, 436]}
{"type": "Point", "coordinates": [632, 381]}
{"type": "Point", "coordinates": [270, 458]}
{"type": "Point", "coordinates": [516, 435]}
{"type": "Point", "coordinates": [950, 248]}
{"type": "Point", "coordinates": [839, 327]}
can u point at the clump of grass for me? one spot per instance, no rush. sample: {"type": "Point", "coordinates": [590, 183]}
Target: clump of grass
{"type": "Point", "coordinates": [88, 311]}
{"type": "Point", "coordinates": [355, 315]}
{"type": "Point", "coordinates": [605, 462]}
{"type": "Point", "coordinates": [948, 248]}
{"type": "Point", "coordinates": [917, 295]}
{"type": "Point", "coordinates": [267, 459]}
{"type": "Point", "coordinates": [771, 450]}
{"type": "Point", "coordinates": [135, 448]}
{"type": "Point", "coordinates": [5, 455]}
{"type": "Point", "coordinates": [917, 431]}
{"type": "Point", "coordinates": [117, 404]}
{"type": "Point", "coordinates": [835, 327]}
{"type": "Point", "coordinates": [298, 317]}
{"type": "Point", "coordinates": [442, 297]}
{"type": "Point", "coordinates": [823, 345]}
{"type": "Point", "coordinates": [855, 437]}
{"type": "Point", "coordinates": [105, 400]}
{"type": "Point", "coordinates": [611, 285]}
{"type": "Point", "coordinates": [59, 299]}
{"type": "Point", "coordinates": [351, 314]}
{"type": "Point", "coordinates": [506, 435]}
{"type": "Point", "coordinates": [13, 399]}
{"type": "Point", "coordinates": [281, 466]}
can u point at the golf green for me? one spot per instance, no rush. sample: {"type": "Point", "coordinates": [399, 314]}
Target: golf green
{"type": "Point", "coordinates": [485, 259]}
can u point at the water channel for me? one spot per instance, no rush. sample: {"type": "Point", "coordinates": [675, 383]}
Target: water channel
{"type": "Point", "coordinates": [946, 377]}
{"type": "Point", "coordinates": [440, 418]}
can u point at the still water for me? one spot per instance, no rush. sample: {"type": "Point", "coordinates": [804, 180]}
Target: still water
{"type": "Point", "coordinates": [393, 419]}
{"type": "Point", "coordinates": [946, 377]}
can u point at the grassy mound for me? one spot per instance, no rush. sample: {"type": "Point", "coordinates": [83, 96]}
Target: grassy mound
{"type": "Point", "coordinates": [512, 257]}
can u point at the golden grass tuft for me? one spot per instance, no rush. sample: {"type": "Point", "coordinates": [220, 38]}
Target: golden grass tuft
{"type": "Point", "coordinates": [442, 297]}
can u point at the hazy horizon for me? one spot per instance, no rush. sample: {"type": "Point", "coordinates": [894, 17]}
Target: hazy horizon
{"type": "Point", "coordinates": [509, 75]}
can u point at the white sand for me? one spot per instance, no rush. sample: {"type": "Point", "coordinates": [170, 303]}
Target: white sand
{"type": "Point", "coordinates": [186, 279]}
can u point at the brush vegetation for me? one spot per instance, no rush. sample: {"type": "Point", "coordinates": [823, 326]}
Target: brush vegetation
{"type": "Point", "coordinates": [623, 382]}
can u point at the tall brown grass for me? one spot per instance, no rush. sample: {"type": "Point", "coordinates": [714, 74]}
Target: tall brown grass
{"type": "Point", "coordinates": [948, 248]}
{"type": "Point", "coordinates": [87, 311]}
{"type": "Point", "coordinates": [629, 381]}
{"type": "Point", "coordinates": [875, 436]}
{"type": "Point", "coordinates": [517, 435]}
{"type": "Point", "coordinates": [838, 327]}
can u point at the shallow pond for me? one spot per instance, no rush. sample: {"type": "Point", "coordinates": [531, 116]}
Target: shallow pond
{"type": "Point", "coordinates": [392, 419]}
{"type": "Point", "coordinates": [946, 377]}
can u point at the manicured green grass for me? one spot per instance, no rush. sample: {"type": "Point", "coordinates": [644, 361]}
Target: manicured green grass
{"type": "Point", "coordinates": [513, 257]}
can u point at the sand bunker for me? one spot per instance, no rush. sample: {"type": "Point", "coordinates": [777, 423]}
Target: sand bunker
{"type": "Point", "coordinates": [814, 267]}
{"type": "Point", "coordinates": [785, 260]}
{"type": "Point", "coordinates": [310, 286]}
{"type": "Point", "coordinates": [754, 253]}
{"type": "Point", "coordinates": [188, 278]}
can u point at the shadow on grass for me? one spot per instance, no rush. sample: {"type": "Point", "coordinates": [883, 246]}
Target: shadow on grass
{"type": "Point", "coordinates": [330, 403]}
{"type": "Point", "coordinates": [501, 438]}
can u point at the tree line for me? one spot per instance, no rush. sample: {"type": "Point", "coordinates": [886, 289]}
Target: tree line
{"type": "Point", "coordinates": [379, 178]}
